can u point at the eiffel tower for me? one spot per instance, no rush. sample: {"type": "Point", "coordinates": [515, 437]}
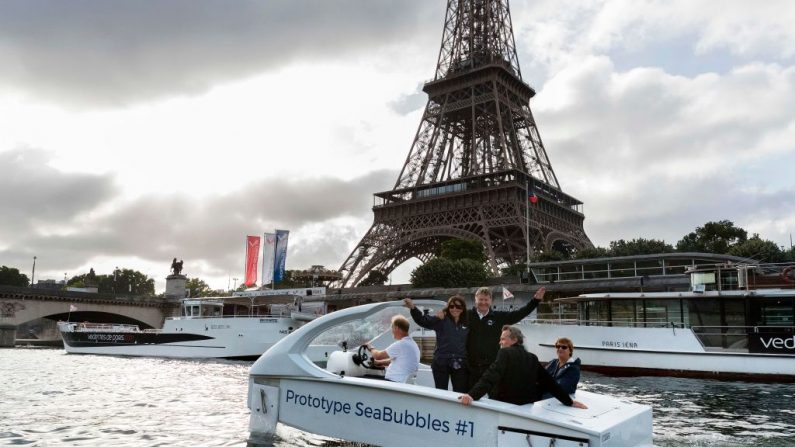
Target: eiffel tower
{"type": "Point", "coordinates": [475, 160]}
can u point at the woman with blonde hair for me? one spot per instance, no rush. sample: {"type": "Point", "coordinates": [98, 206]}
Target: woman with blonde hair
{"type": "Point", "coordinates": [451, 327]}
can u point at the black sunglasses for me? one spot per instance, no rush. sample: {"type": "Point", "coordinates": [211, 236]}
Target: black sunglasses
{"type": "Point", "coordinates": [563, 347]}
{"type": "Point", "coordinates": [456, 306]}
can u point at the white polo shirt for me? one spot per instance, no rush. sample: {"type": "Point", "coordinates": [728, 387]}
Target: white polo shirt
{"type": "Point", "coordinates": [405, 360]}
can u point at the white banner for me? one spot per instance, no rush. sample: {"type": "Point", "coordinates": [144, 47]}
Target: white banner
{"type": "Point", "coordinates": [268, 254]}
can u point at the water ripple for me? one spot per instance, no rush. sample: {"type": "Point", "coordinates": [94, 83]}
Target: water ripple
{"type": "Point", "coordinates": [53, 399]}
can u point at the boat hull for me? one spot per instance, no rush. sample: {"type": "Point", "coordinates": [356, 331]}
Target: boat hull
{"type": "Point", "coordinates": [390, 414]}
{"type": "Point", "coordinates": [235, 338]}
{"type": "Point", "coordinates": [656, 352]}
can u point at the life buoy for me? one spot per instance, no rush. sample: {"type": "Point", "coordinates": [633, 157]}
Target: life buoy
{"type": "Point", "coordinates": [785, 274]}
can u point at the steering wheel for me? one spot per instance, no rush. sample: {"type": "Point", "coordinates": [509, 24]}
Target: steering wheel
{"type": "Point", "coordinates": [364, 357]}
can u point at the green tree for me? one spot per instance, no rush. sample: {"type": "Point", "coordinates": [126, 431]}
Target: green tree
{"type": "Point", "coordinates": [10, 276]}
{"type": "Point", "coordinates": [639, 246]}
{"type": "Point", "coordinates": [790, 255]}
{"type": "Point", "coordinates": [713, 237]}
{"type": "Point", "coordinates": [461, 263]}
{"type": "Point", "coordinates": [760, 250]}
{"type": "Point", "coordinates": [590, 253]}
{"type": "Point", "coordinates": [374, 278]}
{"type": "Point", "coordinates": [548, 256]}
{"type": "Point", "coordinates": [463, 249]}
{"type": "Point", "coordinates": [89, 279]}
{"type": "Point", "coordinates": [565, 249]}
{"type": "Point", "coordinates": [288, 282]}
{"type": "Point", "coordinates": [444, 272]}
{"type": "Point", "coordinates": [196, 288]}
{"type": "Point", "coordinates": [119, 282]}
{"type": "Point", "coordinates": [514, 270]}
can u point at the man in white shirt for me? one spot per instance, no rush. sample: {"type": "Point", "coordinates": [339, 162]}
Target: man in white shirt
{"type": "Point", "coordinates": [403, 355]}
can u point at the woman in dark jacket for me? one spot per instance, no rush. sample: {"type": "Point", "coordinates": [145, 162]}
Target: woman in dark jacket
{"type": "Point", "coordinates": [450, 357]}
{"type": "Point", "coordinates": [564, 369]}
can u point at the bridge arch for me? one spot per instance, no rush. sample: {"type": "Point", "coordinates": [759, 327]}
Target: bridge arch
{"type": "Point", "coordinates": [31, 310]}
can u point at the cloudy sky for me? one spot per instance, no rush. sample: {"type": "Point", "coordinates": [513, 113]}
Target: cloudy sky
{"type": "Point", "coordinates": [135, 131]}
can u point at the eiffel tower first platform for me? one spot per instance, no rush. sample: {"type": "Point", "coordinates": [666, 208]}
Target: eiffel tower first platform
{"type": "Point", "coordinates": [475, 160]}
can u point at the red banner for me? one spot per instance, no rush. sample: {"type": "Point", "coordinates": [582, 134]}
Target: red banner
{"type": "Point", "coordinates": [252, 257]}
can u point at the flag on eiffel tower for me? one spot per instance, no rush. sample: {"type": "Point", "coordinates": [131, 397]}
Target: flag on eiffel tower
{"type": "Point", "coordinates": [531, 196]}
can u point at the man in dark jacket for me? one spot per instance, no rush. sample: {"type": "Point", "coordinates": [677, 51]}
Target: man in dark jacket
{"type": "Point", "coordinates": [516, 375]}
{"type": "Point", "coordinates": [485, 327]}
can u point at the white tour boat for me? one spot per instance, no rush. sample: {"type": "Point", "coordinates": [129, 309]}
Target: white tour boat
{"type": "Point", "coordinates": [233, 328]}
{"type": "Point", "coordinates": [348, 399]}
{"type": "Point", "coordinates": [732, 324]}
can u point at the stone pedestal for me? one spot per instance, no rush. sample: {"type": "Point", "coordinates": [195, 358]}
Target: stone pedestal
{"type": "Point", "coordinates": [8, 335]}
{"type": "Point", "coordinates": [176, 287]}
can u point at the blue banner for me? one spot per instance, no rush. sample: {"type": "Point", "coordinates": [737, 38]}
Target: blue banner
{"type": "Point", "coordinates": [281, 255]}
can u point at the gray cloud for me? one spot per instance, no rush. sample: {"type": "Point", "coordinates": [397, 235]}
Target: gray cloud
{"type": "Point", "coordinates": [669, 210]}
{"type": "Point", "coordinates": [655, 155]}
{"type": "Point", "coordinates": [209, 231]}
{"type": "Point", "coordinates": [35, 194]}
{"type": "Point", "coordinates": [409, 103]}
{"type": "Point", "coordinates": [94, 52]}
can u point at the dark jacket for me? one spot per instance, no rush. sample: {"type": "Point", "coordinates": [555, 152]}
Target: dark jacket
{"type": "Point", "coordinates": [516, 377]}
{"type": "Point", "coordinates": [484, 333]}
{"type": "Point", "coordinates": [451, 338]}
{"type": "Point", "coordinates": [567, 376]}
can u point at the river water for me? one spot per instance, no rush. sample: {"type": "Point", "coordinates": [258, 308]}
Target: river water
{"type": "Point", "coordinates": [49, 398]}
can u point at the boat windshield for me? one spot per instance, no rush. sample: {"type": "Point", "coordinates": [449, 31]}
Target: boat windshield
{"type": "Point", "coordinates": [374, 328]}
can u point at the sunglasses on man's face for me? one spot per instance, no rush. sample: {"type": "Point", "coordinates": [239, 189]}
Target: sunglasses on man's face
{"type": "Point", "coordinates": [563, 347]}
{"type": "Point", "coordinates": [457, 306]}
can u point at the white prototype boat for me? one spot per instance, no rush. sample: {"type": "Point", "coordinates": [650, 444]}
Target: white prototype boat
{"type": "Point", "coordinates": [348, 399]}
{"type": "Point", "coordinates": [735, 323]}
{"type": "Point", "coordinates": [206, 328]}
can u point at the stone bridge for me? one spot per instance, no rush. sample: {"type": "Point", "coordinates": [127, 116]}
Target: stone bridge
{"type": "Point", "coordinates": [30, 314]}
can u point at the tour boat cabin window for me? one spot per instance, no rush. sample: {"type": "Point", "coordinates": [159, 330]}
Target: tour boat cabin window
{"type": "Point", "coordinates": [704, 312]}
{"type": "Point", "coordinates": [661, 313]}
{"type": "Point", "coordinates": [623, 313]}
{"type": "Point", "coordinates": [773, 312]}
{"type": "Point", "coordinates": [702, 281]}
{"type": "Point", "coordinates": [595, 313]}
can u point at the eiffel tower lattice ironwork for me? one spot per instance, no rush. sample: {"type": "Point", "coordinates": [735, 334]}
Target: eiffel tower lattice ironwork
{"type": "Point", "coordinates": [476, 156]}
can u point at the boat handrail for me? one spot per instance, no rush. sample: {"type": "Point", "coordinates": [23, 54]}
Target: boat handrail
{"type": "Point", "coordinates": [207, 317]}
{"type": "Point", "coordinates": [617, 268]}
{"type": "Point", "coordinates": [661, 323]}
{"type": "Point", "coordinates": [754, 329]}
{"type": "Point", "coordinates": [105, 327]}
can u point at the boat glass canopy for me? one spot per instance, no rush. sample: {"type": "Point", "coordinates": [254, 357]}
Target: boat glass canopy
{"type": "Point", "coordinates": [373, 328]}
